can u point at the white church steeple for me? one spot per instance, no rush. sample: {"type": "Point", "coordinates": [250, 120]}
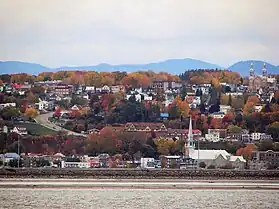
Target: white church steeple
{"type": "Point", "coordinates": [190, 147]}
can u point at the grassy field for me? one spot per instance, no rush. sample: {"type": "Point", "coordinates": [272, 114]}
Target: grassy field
{"type": "Point", "coordinates": [36, 129]}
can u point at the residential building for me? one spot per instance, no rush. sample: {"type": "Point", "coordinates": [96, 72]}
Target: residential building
{"type": "Point", "coordinates": [213, 137]}
{"type": "Point", "coordinates": [45, 105]}
{"type": "Point", "coordinates": [225, 108]}
{"type": "Point", "coordinates": [222, 132]}
{"type": "Point", "coordinates": [75, 164]}
{"type": "Point", "coordinates": [3, 105]}
{"type": "Point", "coordinates": [9, 156]}
{"type": "Point", "coordinates": [20, 130]}
{"type": "Point", "coordinates": [171, 161]}
{"type": "Point", "coordinates": [264, 160]}
{"type": "Point", "coordinates": [147, 163]}
{"type": "Point", "coordinates": [218, 115]}
{"type": "Point", "coordinates": [63, 90]}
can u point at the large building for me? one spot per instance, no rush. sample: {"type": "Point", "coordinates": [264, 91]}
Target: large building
{"type": "Point", "coordinates": [209, 158]}
{"type": "Point", "coordinates": [257, 82]}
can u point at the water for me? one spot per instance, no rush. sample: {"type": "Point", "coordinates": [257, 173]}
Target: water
{"type": "Point", "coordinates": [112, 198]}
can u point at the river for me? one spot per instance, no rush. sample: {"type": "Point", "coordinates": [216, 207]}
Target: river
{"type": "Point", "coordinates": [84, 194]}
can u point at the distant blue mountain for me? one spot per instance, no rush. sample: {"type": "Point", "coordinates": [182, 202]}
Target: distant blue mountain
{"type": "Point", "coordinates": [173, 66]}
{"type": "Point", "coordinates": [12, 67]}
{"type": "Point", "coordinates": [243, 67]}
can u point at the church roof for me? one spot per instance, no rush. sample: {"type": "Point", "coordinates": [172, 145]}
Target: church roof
{"type": "Point", "coordinates": [208, 154]}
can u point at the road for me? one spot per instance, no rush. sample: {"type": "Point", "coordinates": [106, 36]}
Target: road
{"type": "Point", "coordinates": [43, 120]}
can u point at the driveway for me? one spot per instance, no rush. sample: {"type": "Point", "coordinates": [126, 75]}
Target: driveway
{"type": "Point", "coordinates": [43, 120]}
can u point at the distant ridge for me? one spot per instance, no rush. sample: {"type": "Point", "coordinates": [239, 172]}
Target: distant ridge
{"type": "Point", "coordinates": [243, 67]}
{"type": "Point", "coordinates": [173, 66]}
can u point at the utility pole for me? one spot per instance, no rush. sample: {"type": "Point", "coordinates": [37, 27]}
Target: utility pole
{"type": "Point", "coordinates": [18, 150]}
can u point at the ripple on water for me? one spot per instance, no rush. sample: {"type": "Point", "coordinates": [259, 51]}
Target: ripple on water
{"type": "Point", "coordinates": [138, 198]}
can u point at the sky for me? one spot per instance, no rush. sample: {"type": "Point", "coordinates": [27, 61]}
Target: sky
{"type": "Point", "coordinates": [58, 33]}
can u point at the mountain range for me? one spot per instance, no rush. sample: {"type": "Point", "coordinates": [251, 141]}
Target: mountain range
{"type": "Point", "coordinates": [173, 66]}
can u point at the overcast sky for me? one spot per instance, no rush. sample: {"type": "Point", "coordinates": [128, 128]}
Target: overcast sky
{"type": "Point", "coordinates": [87, 32]}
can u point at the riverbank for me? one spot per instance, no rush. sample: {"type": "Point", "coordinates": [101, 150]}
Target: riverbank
{"type": "Point", "coordinates": [138, 174]}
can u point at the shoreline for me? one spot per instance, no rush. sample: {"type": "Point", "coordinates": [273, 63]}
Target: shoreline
{"type": "Point", "coordinates": [138, 184]}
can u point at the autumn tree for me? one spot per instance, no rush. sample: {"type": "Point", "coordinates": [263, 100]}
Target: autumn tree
{"type": "Point", "coordinates": [180, 107]}
{"type": "Point", "coordinates": [31, 113]}
{"type": "Point", "coordinates": [250, 104]}
{"type": "Point", "coordinates": [224, 99]}
{"type": "Point", "coordinates": [232, 129]}
{"type": "Point", "coordinates": [246, 152]}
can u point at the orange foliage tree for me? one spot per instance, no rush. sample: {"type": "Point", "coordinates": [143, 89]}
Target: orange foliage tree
{"type": "Point", "coordinates": [31, 113]}
{"type": "Point", "coordinates": [246, 152]}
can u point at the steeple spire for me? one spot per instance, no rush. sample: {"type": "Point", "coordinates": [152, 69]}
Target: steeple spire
{"type": "Point", "coordinates": [190, 142]}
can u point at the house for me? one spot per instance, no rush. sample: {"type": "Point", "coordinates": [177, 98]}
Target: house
{"type": "Point", "coordinates": [45, 105]}
{"type": "Point", "coordinates": [222, 132]}
{"type": "Point", "coordinates": [117, 88]}
{"type": "Point", "coordinates": [258, 108]}
{"type": "Point", "coordinates": [4, 105]}
{"type": "Point", "coordinates": [75, 108]}
{"type": "Point", "coordinates": [75, 164]}
{"type": "Point", "coordinates": [237, 162]}
{"type": "Point", "coordinates": [234, 94]}
{"type": "Point", "coordinates": [147, 163]}
{"type": "Point", "coordinates": [63, 90]}
{"type": "Point", "coordinates": [90, 89]}
{"type": "Point", "coordinates": [9, 156]}
{"type": "Point", "coordinates": [20, 130]}
{"type": "Point", "coordinates": [171, 161]}
{"type": "Point", "coordinates": [213, 137]}
{"type": "Point", "coordinates": [218, 115]}
{"type": "Point", "coordinates": [225, 108]}
{"type": "Point", "coordinates": [264, 159]}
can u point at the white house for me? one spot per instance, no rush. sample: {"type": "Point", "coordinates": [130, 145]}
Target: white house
{"type": "Point", "coordinates": [147, 163]}
{"type": "Point", "coordinates": [20, 130]}
{"type": "Point", "coordinates": [225, 108]}
{"type": "Point", "coordinates": [44, 105]}
{"type": "Point", "coordinates": [213, 137]}
{"type": "Point", "coordinates": [9, 156]}
{"type": "Point", "coordinates": [218, 115]}
{"type": "Point", "coordinates": [7, 105]}
{"type": "Point", "coordinates": [75, 164]}
{"type": "Point", "coordinates": [258, 108]}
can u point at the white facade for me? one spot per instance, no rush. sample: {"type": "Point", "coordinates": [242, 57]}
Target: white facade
{"type": "Point", "coordinates": [7, 105]}
{"type": "Point", "coordinates": [256, 136]}
{"type": "Point", "coordinates": [43, 105]}
{"type": "Point", "coordinates": [213, 137]}
{"type": "Point", "coordinates": [20, 130]}
{"type": "Point", "coordinates": [218, 115]}
{"type": "Point", "coordinates": [75, 164]}
{"type": "Point", "coordinates": [225, 108]}
{"type": "Point", "coordinates": [147, 163]}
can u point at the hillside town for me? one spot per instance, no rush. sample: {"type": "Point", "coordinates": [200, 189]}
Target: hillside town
{"type": "Point", "coordinates": [201, 119]}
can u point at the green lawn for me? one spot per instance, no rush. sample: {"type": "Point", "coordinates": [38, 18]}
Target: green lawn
{"type": "Point", "coordinates": [36, 129]}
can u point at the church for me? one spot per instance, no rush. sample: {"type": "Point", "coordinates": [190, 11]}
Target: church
{"type": "Point", "coordinates": [210, 158]}
{"type": "Point", "coordinates": [257, 82]}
